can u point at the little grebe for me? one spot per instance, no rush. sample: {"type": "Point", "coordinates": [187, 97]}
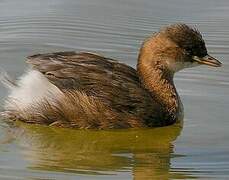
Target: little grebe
{"type": "Point", "coordinates": [85, 90]}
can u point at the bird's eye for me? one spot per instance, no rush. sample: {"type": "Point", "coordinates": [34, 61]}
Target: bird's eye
{"type": "Point", "coordinates": [189, 51]}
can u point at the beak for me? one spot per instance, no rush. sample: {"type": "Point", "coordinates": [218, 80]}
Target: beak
{"type": "Point", "coordinates": [207, 60]}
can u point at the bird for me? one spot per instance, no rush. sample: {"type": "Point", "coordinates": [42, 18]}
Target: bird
{"type": "Point", "coordinates": [89, 91]}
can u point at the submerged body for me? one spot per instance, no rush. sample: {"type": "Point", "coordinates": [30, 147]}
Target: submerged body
{"type": "Point", "coordinates": [85, 90]}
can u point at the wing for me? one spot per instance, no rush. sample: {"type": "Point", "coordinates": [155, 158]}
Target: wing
{"type": "Point", "coordinates": [116, 84]}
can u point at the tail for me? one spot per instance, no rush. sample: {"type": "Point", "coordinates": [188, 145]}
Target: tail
{"type": "Point", "coordinates": [6, 80]}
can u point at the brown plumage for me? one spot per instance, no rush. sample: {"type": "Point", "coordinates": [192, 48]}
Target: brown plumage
{"type": "Point", "coordinates": [99, 92]}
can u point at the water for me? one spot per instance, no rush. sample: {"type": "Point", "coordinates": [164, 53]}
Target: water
{"type": "Point", "coordinates": [116, 28]}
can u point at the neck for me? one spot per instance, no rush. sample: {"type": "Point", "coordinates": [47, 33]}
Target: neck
{"type": "Point", "coordinates": [158, 80]}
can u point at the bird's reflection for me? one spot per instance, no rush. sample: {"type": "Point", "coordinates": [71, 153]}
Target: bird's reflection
{"type": "Point", "coordinates": [145, 153]}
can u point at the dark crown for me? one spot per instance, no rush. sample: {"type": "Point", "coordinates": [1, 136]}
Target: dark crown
{"type": "Point", "coordinates": [187, 38]}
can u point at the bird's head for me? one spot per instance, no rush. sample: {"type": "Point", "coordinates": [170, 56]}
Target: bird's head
{"type": "Point", "coordinates": [178, 46]}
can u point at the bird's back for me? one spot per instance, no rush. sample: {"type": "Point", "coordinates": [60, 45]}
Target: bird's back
{"type": "Point", "coordinates": [97, 92]}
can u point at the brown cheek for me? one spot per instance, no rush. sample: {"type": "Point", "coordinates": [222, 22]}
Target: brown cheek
{"type": "Point", "coordinates": [176, 54]}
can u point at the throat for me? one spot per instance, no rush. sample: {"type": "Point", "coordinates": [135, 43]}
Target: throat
{"type": "Point", "coordinates": [159, 82]}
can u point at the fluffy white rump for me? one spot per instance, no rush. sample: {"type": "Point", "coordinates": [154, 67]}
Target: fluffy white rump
{"type": "Point", "coordinates": [31, 88]}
